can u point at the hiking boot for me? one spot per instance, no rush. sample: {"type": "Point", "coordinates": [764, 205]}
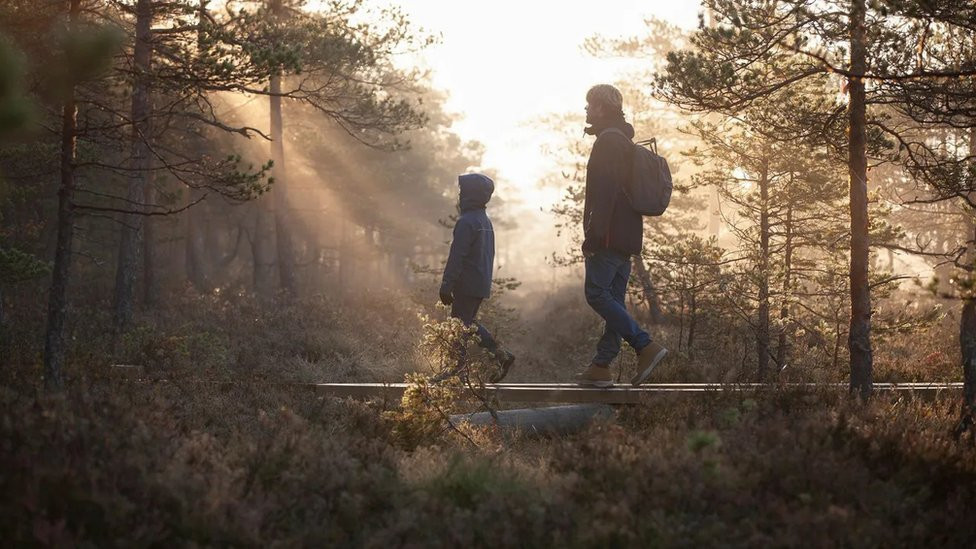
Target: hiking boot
{"type": "Point", "coordinates": [647, 359]}
{"type": "Point", "coordinates": [505, 360]}
{"type": "Point", "coordinates": [595, 376]}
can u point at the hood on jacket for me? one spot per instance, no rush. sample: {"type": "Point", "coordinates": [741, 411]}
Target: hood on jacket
{"type": "Point", "coordinates": [618, 123]}
{"type": "Point", "coordinates": [475, 192]}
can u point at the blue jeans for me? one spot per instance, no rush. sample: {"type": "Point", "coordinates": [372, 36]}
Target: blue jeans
{"type": "Point", "coordinates": [465, 308]}
{"type": "Point", "coordinates": [607, 275]}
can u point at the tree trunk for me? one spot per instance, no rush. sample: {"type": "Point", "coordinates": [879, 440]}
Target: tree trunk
{"type": "Point", "coordinates": [195, 264]}
{"type": "Point", "coordinates": [191, 263]}
{"type": "Point", "coordinates": [283, 232]}
{"type": "Point", "coordinates": [650, 293]}
{"type": "Point", "coordinates": [345, 255]}
{"type": "Point", "coordinates": [714, 217]}
{"type": "Point", "coordinates": [967, 324]}
{"type": "Point", "coordinates": [835, 363]}
{"type": "Point", "coordinates": [943, 274]}
{"type": "Point", "coordinates": [125, 274]}
{"type": "Point", "coordinates": [196, 268]}
{"type": "Point", "coordinates": [967, 344]}
{"type": "Point", "coordinates": [150, 276]}
{"type": "Point", "coordinates": [60, 276]}
{"type": "Point", "coordinates": [150, 279]}
{"type": "Point", "coordinates": [714, 199]}
{"type": "Point", "coordinates": [782, 351]}
{"type": "Point", "coordinates": [262, 248]}
{"type": "Point", "coordinates": [762, 333]}
{"type": "Point", "coordinates": [681, 319]}
{"type": "Point", "coordinates": [859, 340]}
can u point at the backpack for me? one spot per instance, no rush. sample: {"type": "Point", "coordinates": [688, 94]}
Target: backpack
{"type": "Point", "coordinates": [649, 187]}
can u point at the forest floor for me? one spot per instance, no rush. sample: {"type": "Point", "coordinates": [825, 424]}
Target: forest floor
{"type": "Point", "coordinates": [114, 462]}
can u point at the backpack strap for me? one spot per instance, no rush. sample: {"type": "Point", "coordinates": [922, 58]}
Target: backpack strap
{"type": "Point", "coordinates": [619, 132]}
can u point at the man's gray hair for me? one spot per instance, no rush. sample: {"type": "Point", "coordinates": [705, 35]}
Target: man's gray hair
{"type": "Point", "coordinates": [606, 95]}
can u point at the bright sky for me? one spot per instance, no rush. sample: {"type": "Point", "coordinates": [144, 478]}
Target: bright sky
{"type": "Point", "coordinates": [506, 62]}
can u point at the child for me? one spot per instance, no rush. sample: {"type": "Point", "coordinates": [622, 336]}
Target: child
{"type": "Point", "coordinates": [467, 275]}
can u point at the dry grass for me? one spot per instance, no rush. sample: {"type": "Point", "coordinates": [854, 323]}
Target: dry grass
{"type": "Point", "coordinates": [180, 463]}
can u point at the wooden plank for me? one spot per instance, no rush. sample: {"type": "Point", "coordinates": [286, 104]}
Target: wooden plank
{"type": "Point", "coordinates": [504, 393]}
{"type": "Point", "coordinates": [389, 391]}
{"type": "Point", "coordinates": [620, 394]}
{"type": "Point", "coordinates": [904, 386]}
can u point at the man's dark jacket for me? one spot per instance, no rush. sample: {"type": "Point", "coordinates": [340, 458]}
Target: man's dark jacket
{"type": "Point", "coordinates": [469, 265]}
{"type": "Point", "coordinates": [609, 222]}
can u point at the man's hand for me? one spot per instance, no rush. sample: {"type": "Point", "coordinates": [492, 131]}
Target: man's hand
{"type": "Point", "coordinates": [447, 298]}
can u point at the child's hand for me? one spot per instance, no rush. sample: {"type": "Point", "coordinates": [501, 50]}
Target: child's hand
{"type": "Point", "coordinates": [447, 298]}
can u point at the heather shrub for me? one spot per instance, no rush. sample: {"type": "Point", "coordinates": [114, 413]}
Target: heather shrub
{"type": "Point", "coordinates": [121, 463]}
{"type": "Point", "coordinates": [459, 369]}
{"type": "Point", "coordinates": [773, 475]}
{"type": "Point", "coordinates": [208, 449]}
{"type": "Point", "coordinates": [163, 464]}
{"type": "Point", "coordinates": [423, 415]}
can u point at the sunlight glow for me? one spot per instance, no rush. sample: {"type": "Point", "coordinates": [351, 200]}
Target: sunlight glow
{"type": "Point", "coordinates": [503, 65]}
{"type": "Point", "coordinates": [506, 62]}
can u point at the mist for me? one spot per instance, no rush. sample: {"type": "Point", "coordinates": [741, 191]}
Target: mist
{"type": "Point", "coordinates": [242, 304]}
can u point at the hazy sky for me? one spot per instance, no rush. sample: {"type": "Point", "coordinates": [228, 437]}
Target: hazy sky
{"type": "Point", "coordinates": [505, 62]}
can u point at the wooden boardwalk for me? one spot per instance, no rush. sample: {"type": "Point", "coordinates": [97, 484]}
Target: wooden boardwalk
{"type": "Point", "coordinates": [619, 394]}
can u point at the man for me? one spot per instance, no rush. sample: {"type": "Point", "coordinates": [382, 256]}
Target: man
{"type": "Point", "coordinates": [468, 272]}
{"type": "Point", "coordinates": [613, 232]}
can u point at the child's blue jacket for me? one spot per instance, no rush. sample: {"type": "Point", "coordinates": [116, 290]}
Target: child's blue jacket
{"type": "Point", "coordinates": [469, 265]}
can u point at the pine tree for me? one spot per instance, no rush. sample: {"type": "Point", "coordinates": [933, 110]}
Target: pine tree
{"type": "Point", "coordinates": [758, 49]}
